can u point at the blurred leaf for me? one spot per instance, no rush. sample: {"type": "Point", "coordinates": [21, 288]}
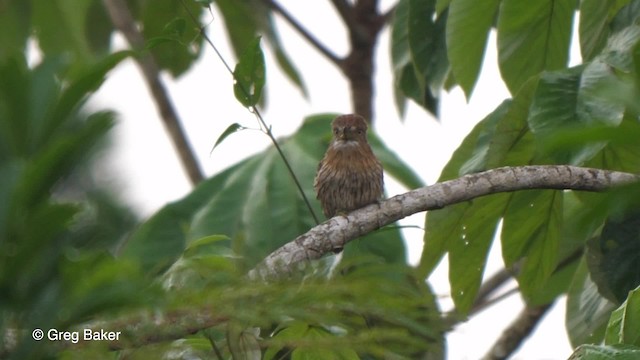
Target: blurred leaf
{"type": "Point", "coordinates": [301, 332]}
{"type": "Point", "coordinates": [243, 343]}
{"type": "Point", "coordinates": [15, 20]}
{"type": "Point", "coordinates": [60, 157]}
{"type": "Point", "coordinates": [82, 84]}
{"type": "Point", "coordinates": [66, 32]}
{"type": "Point", "coordinates": [625, 322]}
{"type": "Point", "coordinates": [533, 37]}
{"type": "Point", "coordinates": [467, 32]}
{"type": "Point", "coordinates": [93, 283]}
{"type": "Point", "coordinates": [250, 75]}
{"type": "Point", "coordinates": [164, 18]}
{"type": "Point", "coordinates": [614, 257]}
{"type": "Point", "coordinates": [627, 15]}
{"type": "Point", "coordinates": [98, 29]}
{"type": "Point", "coordinates": [599, 352]}
{"type": "Point", "coordinates": [587, 311]}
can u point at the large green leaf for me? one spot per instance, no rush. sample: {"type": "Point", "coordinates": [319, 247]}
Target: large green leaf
{"type": "Point", "coordinates": [625, 322]}
{"type": "Point", "coordinates": [595, 18]}
{"type": "Point", "coordinates": [468, 28]}
{"type": "Point", "coordinates": [441, 224]}
{"type": "Point", "coordinates": [465, 230]}
{"type": "Point", "coordinates": [614, 257]}
{"type": "Point", "coordinates": [554, 107]}
{"type": "Point", "coordinates": [417, 53]}
{"type": "Point", "coordinates": [469, 242]}
{"type": "Point", "coordinates": [587, 311]}
{"type": "Point", "coordinates": [256, 204]}
{"type": "Point", "coordinates": [531, 231]}
{"type": "Point", "coordinates": [533, 36]}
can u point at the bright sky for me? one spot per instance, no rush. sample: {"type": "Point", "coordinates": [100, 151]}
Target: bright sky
{"type": "Point", "coordinates": [146, 167]}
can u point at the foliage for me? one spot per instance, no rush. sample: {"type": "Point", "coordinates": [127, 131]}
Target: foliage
{"type": "Point", "coordinates": [57, 267]}
{"type": "Point", "coordinates": [583, 115]}
{"type": "Point", "coordinates": [55, 234]}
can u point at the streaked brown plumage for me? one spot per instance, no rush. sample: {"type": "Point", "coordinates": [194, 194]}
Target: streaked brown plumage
{"type": "Point", "coordinates": [349, 176]}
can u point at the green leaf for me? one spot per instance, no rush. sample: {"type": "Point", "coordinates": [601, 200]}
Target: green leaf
{"type": "Point", "coordinates": [15, 20]}
{"type": "Point", "coordinates": [595, 19]}
{"type": "Point", "coordinates": [625, 321]}
{"type": "Point", "coordinates": [235, 127]}
{"type": "Point", "coordinates": [244, 21]}
{"type": "Point", "coordinates": [249, 75]}
{"type": "Point", "coordinates": [469, 241]}
{"type": "Point", "coordinates": [442, 225]}
{"type": "Point", "coordinates": [163, 18]}
{"type": "Point", "coordinates": [409, 81]}
{"type": "Point", "coordinates": [531, 231]}
{"type": "Point", "coordinates": [599, 352]}
{"type": "Point", "coordinates": [427, 45]}
{"type": "Point", "coordinates": [98, 29]}
{"type": "Point", "coordinates": [532, 37]}
{"type": "Point", "coordinates": [587, 311]}
{"type": "Point", "coordinates": [554, 107]}
{"type": "Point", "coordinates": [442, 5]}
{"type": "Point", "coordinates": [615, 257]}
{"type": "Point", "coordinates": [83, 83]}
{"type": "Point", "coordinates": [65, 34]}
{"type": "Point", "coordinates": [468, 28]}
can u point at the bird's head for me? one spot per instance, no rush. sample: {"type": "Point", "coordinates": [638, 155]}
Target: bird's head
{"type": "Point", "coordinates": [350, 128]}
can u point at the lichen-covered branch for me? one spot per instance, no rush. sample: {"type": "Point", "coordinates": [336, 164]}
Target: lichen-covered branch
{"type": "Point", "coordinates": [335, 233]}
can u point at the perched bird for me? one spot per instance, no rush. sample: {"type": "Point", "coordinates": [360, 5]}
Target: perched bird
{"type": "Point", "coordinates": [349, 176]}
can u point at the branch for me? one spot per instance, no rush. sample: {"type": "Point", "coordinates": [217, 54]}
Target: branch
{"type": "Point", "coordinates": [335, 233]}
{"type": "Point", "coordinates": [123, 21]}
{"type": "Point", "coordinates": [344, 10]}
{"type": "Point", "coordinates": [517, 332]}
{"type": "Point", "coordinates": [304, 32]}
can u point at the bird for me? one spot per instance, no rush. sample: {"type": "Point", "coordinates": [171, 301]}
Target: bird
{"type": "Point", "coordinates": [349, 175]}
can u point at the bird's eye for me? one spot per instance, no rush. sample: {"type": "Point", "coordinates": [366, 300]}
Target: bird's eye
{"type": "Point", "coordinates": [360, 131]}
{"type": "Point", "coordinates": [335, 131]}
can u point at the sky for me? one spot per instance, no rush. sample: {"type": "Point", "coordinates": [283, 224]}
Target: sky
{"type": "Point", "coordinates": [144, 164]}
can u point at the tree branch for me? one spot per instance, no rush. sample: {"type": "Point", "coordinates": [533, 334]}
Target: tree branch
{"type": "Point", "coordinates": [335, 233]}
{"type": "Point", "coordinates": [304, 32]}
{"type": "Point", "coordinates": [123, 21]}
{"type": "Point", "coordinates": [513, 336]}
{"type": "Point", "coordinates": [344, 10]}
